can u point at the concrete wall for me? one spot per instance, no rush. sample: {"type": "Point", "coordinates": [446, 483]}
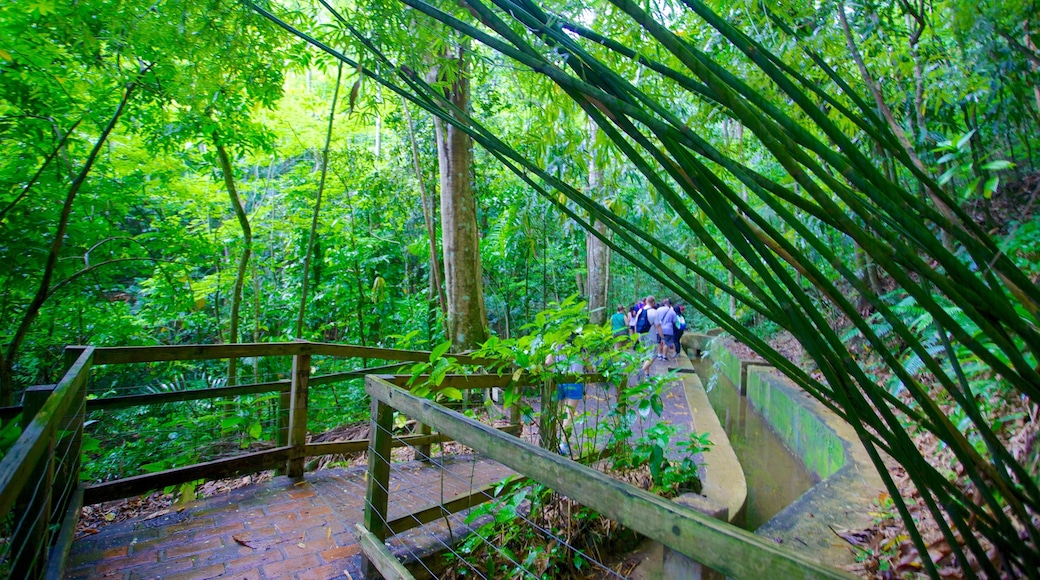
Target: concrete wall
{"type": "Point", "coordinates": [722, 479]}
{"type": "Point", "coordinates": [829, 448]}
{"type": "Point", "coordinates": [723, 487]}
{"type": "Point", "coordinates": [796, 420]}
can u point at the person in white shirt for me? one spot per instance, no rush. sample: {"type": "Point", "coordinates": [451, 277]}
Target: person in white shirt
{"type": "Point", "coordinates": [666, 330]}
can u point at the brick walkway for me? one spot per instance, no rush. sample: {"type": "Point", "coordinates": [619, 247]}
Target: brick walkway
{"type": "Point", "coordinates": [277, 529]}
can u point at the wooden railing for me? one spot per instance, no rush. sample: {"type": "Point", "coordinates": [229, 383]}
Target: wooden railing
{"type": "Point", "coordinates": [40, 493]}
{"type": "Point", "coordinates": [39, 476]}
{"type": "Point", "coordinates": [720, 546]}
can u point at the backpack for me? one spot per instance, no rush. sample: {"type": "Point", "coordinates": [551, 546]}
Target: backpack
{"type": "Point", "coordinates": [642, 322]}
{"type": "Point", "coordinates": [680, 322]}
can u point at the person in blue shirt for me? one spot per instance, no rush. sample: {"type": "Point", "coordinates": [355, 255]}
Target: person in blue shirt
{"type": "Point", "coordinates": [619, 326]}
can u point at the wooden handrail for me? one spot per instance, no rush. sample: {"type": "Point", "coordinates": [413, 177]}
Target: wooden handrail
{"type": "Point", "coordinates": [38, 475]}
{"type": "Point", "coordinates": [718, 545]}
{"type": "Point", "coordinates": [125, 401]}
{"type": "Point", "coordinates": [32, 461]}
{"type": "Point", "coordinates": [138, 484]}
{"type": "Point", "coordinates": [140, 354]}
{"type": "Point", "coordinates": [27, 451]}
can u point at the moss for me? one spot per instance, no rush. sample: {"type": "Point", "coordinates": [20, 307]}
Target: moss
{"type": "Point", "coordinates": [791, 416]}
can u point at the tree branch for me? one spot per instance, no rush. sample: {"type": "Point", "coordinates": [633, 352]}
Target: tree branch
{"type": "Point", "coordinates": [89, 269]}
{"type": "Point", "coordinates": [39, 172]}
{"type": "Point", "coordinates": [59, 237]}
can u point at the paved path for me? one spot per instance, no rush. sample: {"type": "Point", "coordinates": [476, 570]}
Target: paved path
{"type": "Point", "coordinates": [305, 530]}
{"type": "Point", "coordinates": [276, 529]}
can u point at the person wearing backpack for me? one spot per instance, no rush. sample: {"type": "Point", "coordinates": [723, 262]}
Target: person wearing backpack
{"type": "Point", "coordinates": [680, 326]}
{"type": "Point", "coordinates": [630, 319]}
{"type": "Point", "coordinates": [666, 328]}
{"type": "Point", "coordinates": [645, 322]}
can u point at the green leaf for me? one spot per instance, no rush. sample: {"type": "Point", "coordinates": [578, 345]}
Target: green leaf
{"type": "Point", "coordinates": [998, 165]}
{"type": "Point", "coordinates": [439, 350]}
{"type": "Point", "coordinates": [452, 393]}
{"type": "Point", "coordinates": [255, 430]}
{"type": "Point", "coordinates": [90, 444]}
{"type": "Point", "coordinates": [644, 408]}
{"type": "Point", "coordinates": [965, 139]}
{"type": "Point", "coordinates": [44, 7]}
{"type": "Point", "coordinates": [990, 186]}
{"type": "Point", "coordinates": [153, 467]}
{"type": "Point", "coordinates": [658, 405]}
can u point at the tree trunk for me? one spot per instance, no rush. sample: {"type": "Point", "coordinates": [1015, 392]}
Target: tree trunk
{"type": "Point", "coordinates": [922, 126]}
{"type": "Point", "coordinates": [256, 320]}
{"type": "Point", "coordinates": [247, 250]}
{"type": "Point", "coordinates": [7, 358]}
{"type": "Point", "coordinates": [377, 150]}
{"type": "Point", "coordinates": [467, 318]}
{"type": "Point", "coordinates": [596, 252]}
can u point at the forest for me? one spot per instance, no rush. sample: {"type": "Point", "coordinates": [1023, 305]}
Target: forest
{"type": "Point", "coordinates": [859, 175]}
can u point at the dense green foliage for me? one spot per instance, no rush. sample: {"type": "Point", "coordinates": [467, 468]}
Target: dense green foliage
{"type": "Point", "coordinates": [860, 164]}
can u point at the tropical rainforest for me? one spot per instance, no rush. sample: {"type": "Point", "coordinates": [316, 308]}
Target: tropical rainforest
{"type": "Point", "coordinates": [861, 175]}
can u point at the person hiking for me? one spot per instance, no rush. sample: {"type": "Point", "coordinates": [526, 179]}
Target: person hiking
{"type": "Point", "coordinates": [645, 323]}
{"type": "Point", "coordinates": [619, 326]}
{"type": "Point", "coordinates": [680, 326]}
{"type": "Point", "coordinates": [666, 329]}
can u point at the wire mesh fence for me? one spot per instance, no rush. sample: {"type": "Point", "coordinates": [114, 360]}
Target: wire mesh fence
{"type": "Point", "coordinates": [39, 475]}
{"type": "Point", "coordinates": [556, 518]}
{"type": "Point", "coordinates": [475, 523]}
{"type": "Point", "coordinates": [517, 527]}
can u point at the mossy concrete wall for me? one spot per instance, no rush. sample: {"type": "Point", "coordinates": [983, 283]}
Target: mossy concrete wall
{"type": "Point", "coordinates": [723, 485]}
{"type": "Point", "coordinates": [789, 411]}
{"type": "Point", "coordinates": [796, 422]}
{"type": "Point", "coordinates": [829, 448]}
{"type": "Point", "coordinates": [724, 360]}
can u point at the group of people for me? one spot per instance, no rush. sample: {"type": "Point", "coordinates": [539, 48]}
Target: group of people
{"type": "Point", "coordinates": [659, 326]}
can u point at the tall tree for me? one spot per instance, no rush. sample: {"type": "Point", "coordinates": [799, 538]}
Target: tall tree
{"type": "Point", "coordinates": [467, 317]}
{"type": "Point", "coordinates": [597, 254]}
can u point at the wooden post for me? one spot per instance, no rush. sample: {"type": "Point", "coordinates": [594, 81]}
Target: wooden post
{"type": "Point", "coordinates": [29, 544]}
{"type": "Point", "coordinates": [422, 452]}
{"type": "Point", "coordinates": [282, 425]}
{"type": "Point", "coordinates": [676, 565]}
{"type": "Point", "coordinates": [69, 441]}
{"type": "Point", "coordinates": [72, 355]}
{"type": "Point", "coordinates": [548, 422]}
{"type": "Point", "coordinates": [375, 553]}
{"type": "Point", "coordinates": [301, 372]}
{"type": "Point", "coordinates": [376, 497]}
{"type": "Point", "coordinates": [515, 417]}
